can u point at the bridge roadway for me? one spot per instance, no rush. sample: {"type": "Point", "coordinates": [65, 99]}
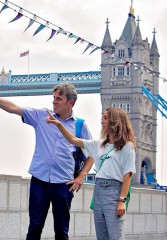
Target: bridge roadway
{"type": "Point", "coordinates": [42, 84]}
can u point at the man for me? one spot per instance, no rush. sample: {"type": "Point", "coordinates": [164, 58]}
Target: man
{"type": "Point", "coordinates": [52, 164]}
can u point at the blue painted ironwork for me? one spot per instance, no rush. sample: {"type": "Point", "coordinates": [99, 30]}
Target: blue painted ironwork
{"type": "Point", "coordinates": [156, 101]}
{"type": "Point", "coordinates": [42, 84]}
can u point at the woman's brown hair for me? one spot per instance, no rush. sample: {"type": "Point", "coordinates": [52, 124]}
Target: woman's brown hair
{"type": "Point", "coordinates": [120, 127]}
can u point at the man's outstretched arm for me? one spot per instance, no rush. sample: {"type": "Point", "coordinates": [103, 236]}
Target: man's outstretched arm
{"type": "Point", "coordinates": [10, 107]}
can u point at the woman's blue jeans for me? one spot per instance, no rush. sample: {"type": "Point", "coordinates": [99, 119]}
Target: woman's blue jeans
{"type": "Point", "coordinates": [41, 195]}
{"type": "Point", "coordinates": [108, 225]}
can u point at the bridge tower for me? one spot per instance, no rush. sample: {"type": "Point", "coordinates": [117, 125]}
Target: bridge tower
{"type": "Point", "coordinates": [122, 82]}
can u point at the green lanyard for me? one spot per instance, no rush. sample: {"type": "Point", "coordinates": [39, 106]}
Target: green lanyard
{"type": "Point", "coordinates": [104, 158]}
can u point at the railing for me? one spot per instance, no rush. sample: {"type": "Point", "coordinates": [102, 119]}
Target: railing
{"type": "Point", "coordinates": [42, 84]}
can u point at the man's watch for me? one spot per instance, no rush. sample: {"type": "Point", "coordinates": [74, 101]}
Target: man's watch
{"type": "Point", "coordinates": [122, 199]}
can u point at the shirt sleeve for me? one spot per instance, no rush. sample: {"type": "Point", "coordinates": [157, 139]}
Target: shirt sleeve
{"type": "Point", "coordinates": [33, 116]}
{"type": "Point", "coordinates": [129, 159]}
{"type": "Point", "coordinates": [90, 146]}
{"type": "Point", "coordinates": [85, 133]}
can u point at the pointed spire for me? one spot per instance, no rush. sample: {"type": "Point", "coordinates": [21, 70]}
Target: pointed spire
{"type": "Point", "coordinates": [138, 20]}
{"type": "Point", "coordinates": [107, 43]}
{"type": "Point", "coordinates": [130, 26]}
{"type": "Point", "coordinates": [107, 23]}
{"type": "Point", "coordinates": [137, 37]}
{"type": "Point", "coordinates": [131, 9]}
{"type": "Point", "coordinates": [154, 48]}
{"type": "Point", "coordinates": [3, 71]}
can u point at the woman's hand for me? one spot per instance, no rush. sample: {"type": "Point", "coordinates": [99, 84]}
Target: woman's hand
{"type": "Point", "coordinates": [52, 119]}
{"type": "Point", "coordinates": [121, 208]}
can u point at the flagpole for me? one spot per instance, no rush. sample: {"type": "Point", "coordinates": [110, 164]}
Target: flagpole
{"type": "Point", "coordinates": [28, 62]}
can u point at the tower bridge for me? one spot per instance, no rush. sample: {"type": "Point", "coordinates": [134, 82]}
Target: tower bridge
{"type": "Point", "coordinates": [42, 84]}
{"type": "Point", "coordinates": [119, 84]}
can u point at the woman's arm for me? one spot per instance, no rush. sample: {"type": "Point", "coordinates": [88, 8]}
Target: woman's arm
{"type": "Point", "coordinates": [78, 181]}
{"type": "Point", "coordinates": [67, 134]}
{"type": "Point", "coordinates": [124, 192]}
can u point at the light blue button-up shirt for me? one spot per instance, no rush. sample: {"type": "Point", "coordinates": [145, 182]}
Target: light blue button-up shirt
{"type": "Point", "coordinates": [53, 156]}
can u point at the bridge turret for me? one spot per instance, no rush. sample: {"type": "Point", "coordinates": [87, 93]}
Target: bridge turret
{"type": "Point", "coordinates": [123, 74]}
{"type": "Point", "coordinates": [4, 77]}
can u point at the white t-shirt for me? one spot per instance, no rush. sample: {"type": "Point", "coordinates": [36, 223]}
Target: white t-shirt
{"type": "Point", "coordinates": [117, 164]}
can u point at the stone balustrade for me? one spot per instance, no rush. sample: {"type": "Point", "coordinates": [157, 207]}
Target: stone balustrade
{"type": "Point", "coordinates": [146, 217]}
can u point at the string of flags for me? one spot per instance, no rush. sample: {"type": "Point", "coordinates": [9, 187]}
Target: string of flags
{"type": "Point", "coordinates": [55, 30]}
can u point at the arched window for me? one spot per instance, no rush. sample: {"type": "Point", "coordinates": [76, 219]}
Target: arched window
{"type": "Point", "coordinates": [128, 71]}
{"type": "Point", "coordinates": [128, 108]}
{"type": "Point", "coordinates": [120, 71]}
{"type": "Point", "coordinates": [114, 72]}
{"type": "Point", "coordinates": [121, 53]}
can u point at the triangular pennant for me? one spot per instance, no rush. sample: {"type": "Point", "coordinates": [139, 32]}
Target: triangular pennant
{"type": "Point", "coordinates": [52, 34]}
{"type": "Point", "coordinates": [39, 29]}
{"type": "Point", "coordinates": [107, 58]}
{"type": "Point", "coordinates": [116, 60]}
{"type": "Point", "coordinates": [88, 46]}
{"type": "Point", "coordinates": [30, 23]}
{"type": "Point", "coordinates": [94, 50]}
{"type": "Point", "coordinates": [19, 15]}
{"type": "Point", "coordinates": [71, 35]}
{"type": "Point", "coordinates": [63, 32]}
{"type": "Point", "coordinates": [137, 68]}
{"type": "Point", "coordinates": [59, 31]}
{"type": "Point", "coordinates": [3, 8]}
{"type": "Point", "coordinates": [78, 39]}
{"type": "Point", "coordinates": [127, 63]}
{"type": "Point", "coordinates": [104, 51]}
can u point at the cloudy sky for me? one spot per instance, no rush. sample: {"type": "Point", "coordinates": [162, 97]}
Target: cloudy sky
{"type": "Point", "coordinates": [85, 19]}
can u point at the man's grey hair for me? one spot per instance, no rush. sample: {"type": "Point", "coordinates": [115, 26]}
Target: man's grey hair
{"type": "Point", "coordinates": [67, 89]}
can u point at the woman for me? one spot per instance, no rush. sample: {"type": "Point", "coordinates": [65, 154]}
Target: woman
{"type": "Point", "coordinates": [113, 178]}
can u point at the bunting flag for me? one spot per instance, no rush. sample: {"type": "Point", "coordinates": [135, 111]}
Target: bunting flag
{"type": "Point", "coordinates": [23, 54]}
{"type": "Point", "coordinates": [4, 7]}
{"type": "Point", "coordinates": [78, 39]}
{"type": "Point", "coordinates": [108, 58]}
{"type": "Point", "coordinates": [60, 30]}
{"type": "Point", "coordinates": [39, 29]}
{"type": "Point", "coordinates": [97, 48]}
{"type": "Point", "coordinates": [137, 68]}
{"type": "Point", "coordinates": [116, 60]}
{"type": "Point", "coordinates": [71, 35]}
{"type": "Point", "coordinates": [44, 23]}
{"type": "Point", "coordinates": [19, 15]}
{"type": "Point", "coordinates": [52, 34]}
{"type": "Point", "coordinates": [88, 46]}
{"type": "Point", "coordinates": [30, 23]}
{"type": "Point", "coordinates": [104, 51]}
{"type": "Point", "coordinates": [126, 63]}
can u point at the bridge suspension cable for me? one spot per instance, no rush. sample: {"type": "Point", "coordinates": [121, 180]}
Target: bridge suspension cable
{"type": "Point", "coordinates": [156, 101]}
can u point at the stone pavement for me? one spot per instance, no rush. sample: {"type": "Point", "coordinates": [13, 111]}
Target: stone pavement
{"type": "Point", "coordinates": [152, 238]}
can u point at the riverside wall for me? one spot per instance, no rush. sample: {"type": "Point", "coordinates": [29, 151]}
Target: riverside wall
{"type": "Point", "coordinates": [146, 217]}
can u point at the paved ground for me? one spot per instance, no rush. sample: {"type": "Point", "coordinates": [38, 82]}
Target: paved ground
{"type": "Point", "coordinates": [152, 238]}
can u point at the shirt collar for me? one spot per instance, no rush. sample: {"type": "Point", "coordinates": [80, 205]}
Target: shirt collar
{"type": "Point", "coordinates": [72, 116]}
